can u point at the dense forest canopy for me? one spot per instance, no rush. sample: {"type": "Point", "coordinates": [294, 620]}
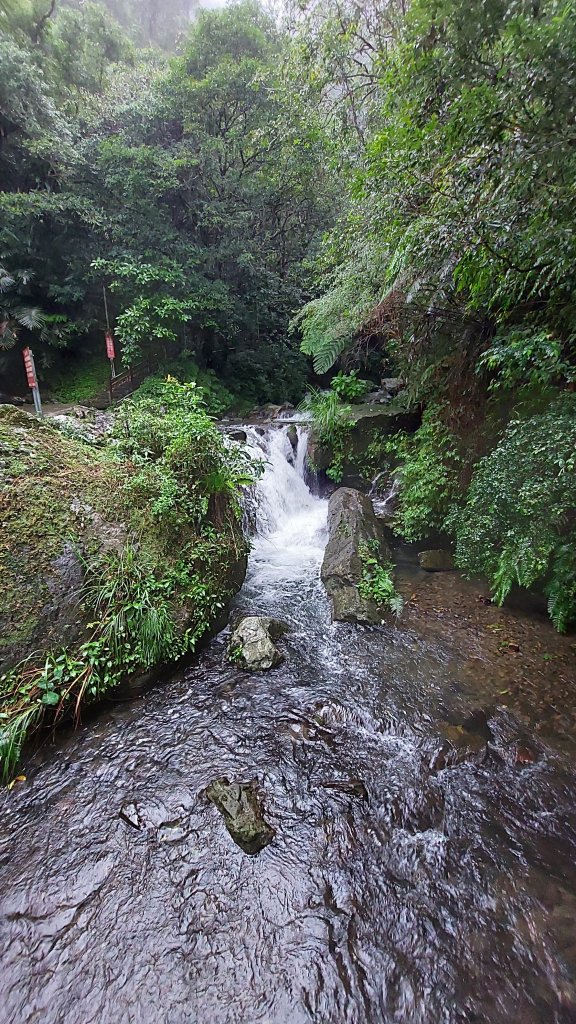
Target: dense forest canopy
{"type": "Point", "coordinates": [193, 188]}
{"type": "Point", "coordinates": [381, 186]}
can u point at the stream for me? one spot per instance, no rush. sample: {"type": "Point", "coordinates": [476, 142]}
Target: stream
{"type": "Point", "coordinates": [397, 890]}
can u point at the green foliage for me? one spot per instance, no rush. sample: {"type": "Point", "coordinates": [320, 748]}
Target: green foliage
{"type": "Point", "coordinates": [377, 582]}
{"type": "Point", "coordinates": [13, 315]}
{"type": "Point", "coordinates": [333, 420]}
{"type": "Point", "coordinates": [429, 476]}
{"type": "Point", "coordinates": [195, 189]}
{"type": "Point", "coordinates": [348, 387]}
{"type": "Point", "coordinates": [134, 629]}
{"type": "Point", "coordinates": [185, 463]}
{"type": "Point", "coordinates": [329, 324]}
{"type": "Point", "coordinates": [79, 379]}
{"type": "Point", "coordinates": [522, 356]}
{"type": "Point", "coordinates": [517, 524]}
{"type": "Point", "coordinates": [462, 206]}
{"type": "Point", "coordinates": [174, 480]}
{"type": "Point", "coordinates": [216, 397]}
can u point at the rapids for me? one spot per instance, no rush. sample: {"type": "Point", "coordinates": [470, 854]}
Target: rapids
{"type": "Point", "coordinates": [395, 892]}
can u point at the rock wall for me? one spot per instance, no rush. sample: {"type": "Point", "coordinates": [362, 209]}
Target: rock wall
{"type": "Point", "coordinates": [351, 526]}
{"type": "Point", "coordinates": [63, 501]}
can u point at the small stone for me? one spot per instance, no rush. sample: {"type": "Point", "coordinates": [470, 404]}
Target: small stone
{"type": "Point", "coordinates": [351, 787]}
{"type": "Point", "coordinates": [241, 809]}
{"type": "Point", "coordinates": [252, 643]}
{"type": "Point", "coordinates": [129, 814]}
{"type": "Point", "coordinates": [392, 385]}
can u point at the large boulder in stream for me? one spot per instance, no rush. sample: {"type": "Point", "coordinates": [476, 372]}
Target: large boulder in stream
{"type": "Point", "coordinates": [252, 643]}
{"type": "Point", "coordinates": [352, 528]}
{"type": "Point", "coordinates": [240, 806]}
{"type": "Point", "coordinates": [436, 560]}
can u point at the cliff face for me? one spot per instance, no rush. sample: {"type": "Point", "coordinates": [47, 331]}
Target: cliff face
{"type": "Point", "coordinates": [65, 504]}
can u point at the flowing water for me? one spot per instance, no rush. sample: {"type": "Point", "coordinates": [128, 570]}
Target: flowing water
{"type": "Point", "coordinates": [397, 889]}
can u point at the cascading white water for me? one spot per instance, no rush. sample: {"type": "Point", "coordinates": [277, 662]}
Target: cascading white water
{"type": "Point", "coordinates": [384, 504]}
{"type": "Point", "coordinates": [289, 525]}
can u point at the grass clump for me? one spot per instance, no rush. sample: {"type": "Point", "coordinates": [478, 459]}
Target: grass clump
{"type": "Point", "coordinates": [80, 380]}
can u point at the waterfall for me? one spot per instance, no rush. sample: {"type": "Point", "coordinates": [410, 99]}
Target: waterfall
{"type": "Point", "coordinates": [287, 524]}
{"type": "Point", "coordinates": [281, 492]}
{"type": "Point", "coordinates": [384, 504]}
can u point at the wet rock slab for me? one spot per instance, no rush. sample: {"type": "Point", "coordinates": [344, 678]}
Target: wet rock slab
{"type": "Point", "coordinates": [352, 525]}
{"type": "Point", "coordinates": [240, 806]}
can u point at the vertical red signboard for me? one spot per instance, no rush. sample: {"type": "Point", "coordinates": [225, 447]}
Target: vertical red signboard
{"type": "Point", "coordinates": [30, 368]}
{"type": "Point", "coordinates": [28, 357]}
{"type": "Point", "coordinates": [110, 345]}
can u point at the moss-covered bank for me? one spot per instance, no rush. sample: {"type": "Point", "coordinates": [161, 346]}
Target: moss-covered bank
{"type": "Point", "coordinates": [114, 560]}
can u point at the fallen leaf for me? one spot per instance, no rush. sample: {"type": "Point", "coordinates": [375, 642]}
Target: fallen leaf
{"type": "Point", "coordinates": [19, 778]}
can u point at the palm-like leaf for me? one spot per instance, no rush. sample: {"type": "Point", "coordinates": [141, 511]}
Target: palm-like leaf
{"type": "Point", "coordinates": [6, 280]}
{"type": "Point", "coordinates": [7, 336]}
{"type": "Point", "coordinates": [29, 317]}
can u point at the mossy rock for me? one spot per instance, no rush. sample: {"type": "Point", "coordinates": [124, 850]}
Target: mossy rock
{"type": "Point", "coordinates": [61, 502]}
{"type": "Point", "coordinates": [240, 805]}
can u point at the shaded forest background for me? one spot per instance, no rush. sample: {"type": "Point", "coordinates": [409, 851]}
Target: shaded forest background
{"type": "Point", "coordinates": [266, 194]}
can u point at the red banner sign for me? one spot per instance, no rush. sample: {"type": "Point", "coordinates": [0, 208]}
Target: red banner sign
{"type": "Point", "coordinates": [110, 345]}
{"type": "Point", "coordinates": [30, 368]}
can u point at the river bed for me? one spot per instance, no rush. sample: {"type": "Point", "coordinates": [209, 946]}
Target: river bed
{"type": "Point", "coordinates": [402, 887]}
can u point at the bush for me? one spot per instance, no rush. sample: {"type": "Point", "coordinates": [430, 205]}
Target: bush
{"type": "Point", "coordinates": [185, 461]}
{"type": "Point", "coordinates": [333, 421]}
{"type": "Point", "coordinates": [377, 582]}
{"type": "Point", "coordinates": [428, 476]}
{"type": "Point", "coordinates": [518, 525]}
{"type": "Point", "coordinates": [348, 387]}
{"type": "Point", "coordinates": [217, 399]}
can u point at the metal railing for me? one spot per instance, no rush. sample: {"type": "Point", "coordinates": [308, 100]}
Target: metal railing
{"type": "Point", "coordinates": [126, 382]}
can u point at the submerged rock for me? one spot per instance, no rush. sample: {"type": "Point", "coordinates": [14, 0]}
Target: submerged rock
{"type": "Point", "coordinates": [436, 560]}
{"type": "Point", "coordinates": [292, 435]}
{"type": "Point", "coordinates": [352, 525]}
{"type": "Point", "coordinates": [350, 787]}
{"type": "Point", "coordinates": [129, 814]}
{"type": "Point", "coordinates": [466, 740]}
{"type": "Point", "coordinates": [237, 434]}
{"type": "Point", "coordinates": [460, 744]}
{"type": "Point", "coordinates": [240, 805]}
{"type": "Point", "coordinates": [252, 643]}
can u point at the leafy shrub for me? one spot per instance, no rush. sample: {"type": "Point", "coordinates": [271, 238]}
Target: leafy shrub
{"type": "Point", "coordinates": [377, 582]}
{"type": "Point", "coordinates": [216, 397]}
{"type": "Point", "coordinates": [523, 356]}
{"type": "Point", "coordinates": [348, 387]}
{"type": "Point", "coordinates": [428, 476]}
{"type": "Point", "coordinates": [184, 458]}
{"type": "Point", "coordinates": [333, 420]}
{"type": "Point", "coordinates": [518, 525]}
